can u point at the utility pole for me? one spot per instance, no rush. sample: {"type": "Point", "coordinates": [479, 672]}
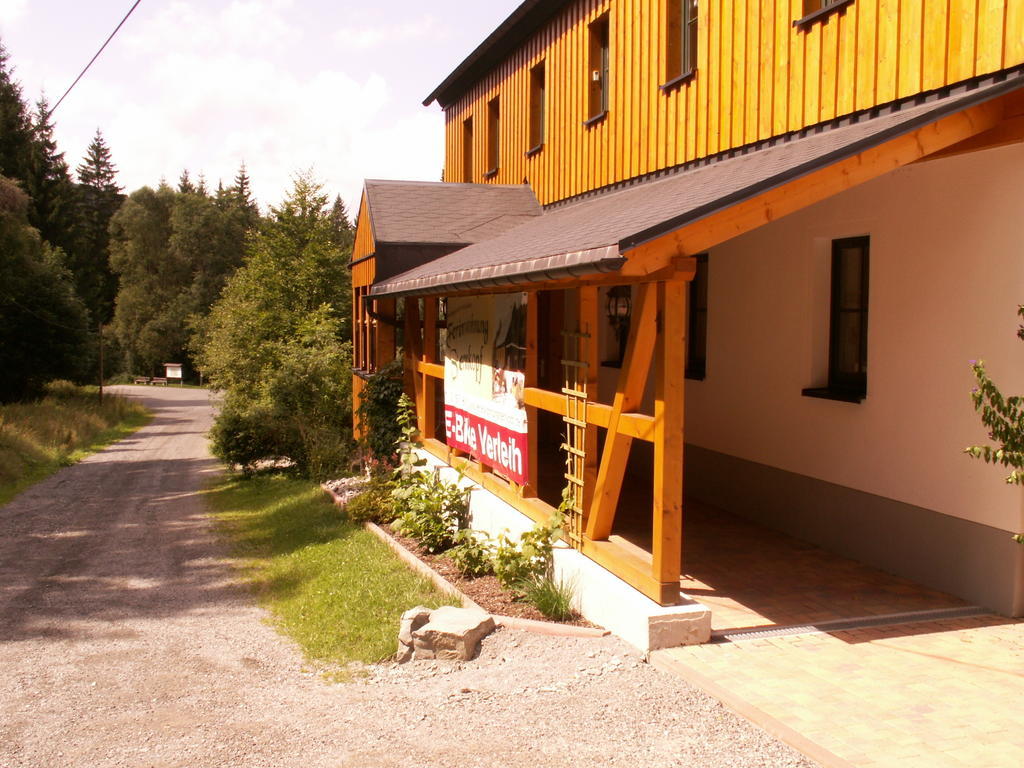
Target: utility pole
{"type": "Point", "coordinates": [101, 361]}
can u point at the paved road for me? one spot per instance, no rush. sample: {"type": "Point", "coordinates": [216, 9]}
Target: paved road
{"type": "Point", "coordinates": [125, 641]}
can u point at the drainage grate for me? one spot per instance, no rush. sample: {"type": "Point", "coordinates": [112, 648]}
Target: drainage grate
{"type": "Point", "coordinates": [728, 636]}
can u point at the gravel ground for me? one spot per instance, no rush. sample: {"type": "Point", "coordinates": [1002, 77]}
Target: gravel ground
{"type": "Point", "coordinates": [125, 641]}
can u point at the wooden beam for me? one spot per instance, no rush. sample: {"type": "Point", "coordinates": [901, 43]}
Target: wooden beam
{"type": "Point", "coordinates": [632, 568]}
{"type": "Point", "coordinates": [433, 370]}
{"type": "Point", "coordinates": [531, 376]}
{"type": "Point", "coordinates": [385, 333]}
{"type": "Point", "coordinates": [1009, 131]}
{"type": "Point", "coordinates": [670, 362]}
{"type": "Point", "coordinates": [429, 355]}
{"type": "Point", "coordinates": [412, 353]}
{"type": "Point", "coordinates": [636, 425]}
{"type": "Point", "coordinates": [813, 187]}
{"type": "Point", "coordinates": [630, 390]}
{"type": "Point", "coordinates": [588, 321]}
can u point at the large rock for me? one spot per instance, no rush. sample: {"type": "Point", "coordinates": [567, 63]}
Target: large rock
{"type": "Point", "coordinates": [412, 620]}
{"type": "Point", "coordinates": [452, 634]}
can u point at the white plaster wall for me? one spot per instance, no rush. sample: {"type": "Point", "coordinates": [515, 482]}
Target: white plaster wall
{"type": "Point", "coordinates": [947, 273]}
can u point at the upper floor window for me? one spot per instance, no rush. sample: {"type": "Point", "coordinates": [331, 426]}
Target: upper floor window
{"type": "Point", "coordinates": [537, 107]}
{"type": "Point", "coordinates": [598, 69]}
{"type": "Point", "coordinates": [493, 136]}
{"type": "Point", "coordinates": [467, 150]}
{"type": "Point", "coordinates": [681, 41]}
{"type": "Point", "coordinates": [818, 9]}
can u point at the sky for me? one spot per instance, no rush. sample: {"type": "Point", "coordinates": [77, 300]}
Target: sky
{"type": "Point", "coordinates": [335, 86]}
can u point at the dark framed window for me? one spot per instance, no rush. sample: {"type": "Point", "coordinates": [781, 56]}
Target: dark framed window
{"type": "Point", "coordinates": [815, 10]}
{"type": "Point", "coordinates": [697, 324]}
{"type": "Point", "coordinates": [467, 150]}
{"type": "Point", "coordinates": [493, 136]}
{"type": "Point", "coordinates": [680, 41]}
{"type": "Point", "coordinates": [848, 326]}
{"type": "Point", "coordinates": [598, 70]}
{"type": "Point", "coordinates": [537, 107]}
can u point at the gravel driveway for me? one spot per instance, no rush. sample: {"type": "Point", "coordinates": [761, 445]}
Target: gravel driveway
{"type": "Point", "coordinates": [124, 641]}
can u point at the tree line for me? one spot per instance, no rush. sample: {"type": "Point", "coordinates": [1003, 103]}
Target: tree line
{"type": "Point", "coordinates": [258, 303]}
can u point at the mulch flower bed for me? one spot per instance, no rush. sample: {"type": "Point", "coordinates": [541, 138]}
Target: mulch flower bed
{"type": "Point", "coordinates": [485, 591]}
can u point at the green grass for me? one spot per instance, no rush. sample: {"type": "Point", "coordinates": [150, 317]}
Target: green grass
{"type": "Point", "coordinates": [37, 438]}
{"type": "Point", "coordinates": [331, 586]}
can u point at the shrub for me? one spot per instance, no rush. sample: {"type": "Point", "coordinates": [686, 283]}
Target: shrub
{"type": "Point", "coordinates": [472, 553]}
{"type": "Point", "coordinates": [430, 510]}
{"type": "Point", "coordinates": [553, 598]}
{"type": "Point", "coordinates": [374, 504]}
{"type": "Point", "coordinates": [246, 436]}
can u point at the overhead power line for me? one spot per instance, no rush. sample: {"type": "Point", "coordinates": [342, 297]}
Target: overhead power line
{"type": "Point", "coordinates": [80, 74]}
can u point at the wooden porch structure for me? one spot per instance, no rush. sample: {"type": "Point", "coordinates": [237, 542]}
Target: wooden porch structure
{"type": "Point", "coordinates": [659, 267]}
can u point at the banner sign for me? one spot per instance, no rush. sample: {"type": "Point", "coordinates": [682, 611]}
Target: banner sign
{"type": "Point", "coordinates": [484, 360]}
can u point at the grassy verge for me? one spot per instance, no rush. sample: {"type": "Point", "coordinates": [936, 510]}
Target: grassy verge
{"type": "Point", "coordinates": [331, 586]}
{"type": "Point", "coordinates": [37, 438]}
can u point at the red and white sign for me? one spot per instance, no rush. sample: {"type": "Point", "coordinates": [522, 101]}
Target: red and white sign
{"type": "Point", "coordinates": [485, 350]}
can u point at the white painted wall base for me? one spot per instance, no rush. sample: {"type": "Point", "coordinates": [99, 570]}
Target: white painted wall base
{"type": "Point", "coordinates": [601, 597]}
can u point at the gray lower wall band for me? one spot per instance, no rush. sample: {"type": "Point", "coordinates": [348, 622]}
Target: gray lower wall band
{"type": "Point", "coordinates": [976, 562]}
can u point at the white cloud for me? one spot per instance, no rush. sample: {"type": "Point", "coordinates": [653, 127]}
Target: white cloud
{"type": "Point", "coordinates": [207, 90]}
{"type": "Point", "coordinates": [363, 37]}
{"type": "Point", "coordinates": [12, 10]}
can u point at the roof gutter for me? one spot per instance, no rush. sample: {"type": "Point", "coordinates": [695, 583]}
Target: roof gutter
{"type": "Point", "coordinates": [542, 269]}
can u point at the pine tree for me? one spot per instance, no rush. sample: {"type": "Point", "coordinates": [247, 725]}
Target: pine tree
{"type": "Point", "coordinates": [53, 209]}
{"type": "Point", "coordinates": [185, 182]}
{"type": "Point", "coordinates": [15, 126]}
{"type": "Point", "coordinates": [343, 230]}
{"type": "Point", "coordinates": [241, 190]}
{"type": "Point", "coordinates": [100, 197]}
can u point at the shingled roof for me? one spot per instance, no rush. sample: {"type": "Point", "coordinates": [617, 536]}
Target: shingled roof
{"type": "Point", "coordinates": [415, 222]}
{"type": "Point", "coordinates": [589, 235]}
{"type": "Point", "coordinates": [436, 212]}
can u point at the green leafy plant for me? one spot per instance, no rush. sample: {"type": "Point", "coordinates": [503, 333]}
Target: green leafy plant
{"type": "Point", "coordinates": [552, 597]}
{"type": "Point", "coordinates": [1004, 418]}
{"type": "Point", "coordinates": [472, 553]}
{"type": "Point", "coordinates": [517, 562]}
{"type": "Point", "coordinates": [378, 404]}
{"type": "Point", "coordinates": [430, 510]}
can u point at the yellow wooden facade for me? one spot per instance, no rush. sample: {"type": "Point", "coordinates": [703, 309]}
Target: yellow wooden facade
{"type": "Point", "coordinates": [757, 76]}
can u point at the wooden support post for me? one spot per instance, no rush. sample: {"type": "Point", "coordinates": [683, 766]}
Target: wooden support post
{"type": "Point", "coordinates": [531, 376]}
{"type": "Point", "coordinates": [588, 322]}
{"type": "Point", "coordinates": [413, 345]}
{"type": "Point", "coordinates": [630, 391]}
{"type": "Point", "coordinates": [385, 332]}
{"type": "Point", "coordinates": [429, 355]}
{"type": "Point", "coordinates": [670, 363]}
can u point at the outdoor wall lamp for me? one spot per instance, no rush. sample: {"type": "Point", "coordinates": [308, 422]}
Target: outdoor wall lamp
{"type": "Point", "coordinates": [619, 308]}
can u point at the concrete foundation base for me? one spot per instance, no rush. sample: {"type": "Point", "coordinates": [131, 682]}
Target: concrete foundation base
{"type": "Point", "coordinates": [601, 597]}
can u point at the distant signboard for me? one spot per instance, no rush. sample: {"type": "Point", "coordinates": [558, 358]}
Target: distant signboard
{"type": "Point", "coordinates": [485, 356]}
{"type": "Point", "coordinates": [172, 370]}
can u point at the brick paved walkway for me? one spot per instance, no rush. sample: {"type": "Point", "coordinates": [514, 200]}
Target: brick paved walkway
{"type": "Point", "coordinates": [941, 694]}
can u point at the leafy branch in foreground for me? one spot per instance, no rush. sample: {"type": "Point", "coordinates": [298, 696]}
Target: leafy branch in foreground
{"type": "Point", "coordinates": [1004, 418]}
